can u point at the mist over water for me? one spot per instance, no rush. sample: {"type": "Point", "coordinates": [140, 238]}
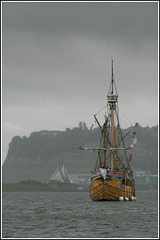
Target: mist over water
{"type": "Point", "coordinates": [75, 215]}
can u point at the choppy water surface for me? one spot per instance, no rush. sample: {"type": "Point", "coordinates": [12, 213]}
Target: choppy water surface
{"type": "Point", "coordinates": [74, 215]}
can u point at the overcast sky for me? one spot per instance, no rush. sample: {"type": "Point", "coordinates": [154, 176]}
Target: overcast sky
{"type": "Point", "coordinates": [56, 64]}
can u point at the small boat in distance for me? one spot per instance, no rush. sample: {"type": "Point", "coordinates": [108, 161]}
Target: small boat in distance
{"type": "Point", "coordinates": [112, 178]}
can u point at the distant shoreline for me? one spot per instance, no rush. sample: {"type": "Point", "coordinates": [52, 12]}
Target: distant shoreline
{"type": "Point", "coordinates": [42, 187]}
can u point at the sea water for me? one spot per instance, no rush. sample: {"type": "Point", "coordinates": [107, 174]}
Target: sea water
{"type": "Point", "coordinates": [75, 215]}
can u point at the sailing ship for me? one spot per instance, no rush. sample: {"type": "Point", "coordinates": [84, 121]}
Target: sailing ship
{"type": "Point", "coordinates": [112, 178]}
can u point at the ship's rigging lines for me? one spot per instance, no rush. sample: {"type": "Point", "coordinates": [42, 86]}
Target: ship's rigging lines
{"type": "Point", "coordinates": [111, 148]}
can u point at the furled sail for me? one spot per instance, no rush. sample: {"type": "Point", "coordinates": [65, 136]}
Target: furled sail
{"type": "Point", "coordinates": [134, 140]}
{"type": "Point", "coordinates": [103, 172]}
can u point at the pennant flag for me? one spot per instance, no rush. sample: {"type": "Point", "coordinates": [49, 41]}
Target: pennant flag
{"type": "Point", "coordinates": [130, 157]}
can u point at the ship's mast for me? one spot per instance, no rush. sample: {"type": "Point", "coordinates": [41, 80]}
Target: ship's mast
{"type": "Point", "coordinates": [104, 143]}
{"type": "Point", "coordinates": [118, 164]}
{"type": "Point", "coordinates": [112, 99]}
{"type": "Point", "coordinates": [112, 124]}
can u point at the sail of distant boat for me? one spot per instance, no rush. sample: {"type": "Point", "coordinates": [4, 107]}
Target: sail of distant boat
{"type": "Point", "coordinates": [60, 174]}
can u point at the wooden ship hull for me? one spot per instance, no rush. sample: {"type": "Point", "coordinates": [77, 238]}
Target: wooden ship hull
{"type": "Point", "coordinates": [114, 187]}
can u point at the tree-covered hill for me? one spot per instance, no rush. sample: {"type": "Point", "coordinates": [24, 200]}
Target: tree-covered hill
{"type": "Point", "coordinates": [36, 157]}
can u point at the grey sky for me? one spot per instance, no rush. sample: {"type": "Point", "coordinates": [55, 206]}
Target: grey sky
{"type": "Point", "coordinates": [57, 63]}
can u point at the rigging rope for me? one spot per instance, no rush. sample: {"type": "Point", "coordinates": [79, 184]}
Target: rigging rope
{"type": "Point", "coordinates": [115, 86]}
{"type": "Point", "coordinates": [126, 117]}
{"type": "Point", "coordinates": [91, 135]}
{"type": "Point", "coordinates": [101, 109]}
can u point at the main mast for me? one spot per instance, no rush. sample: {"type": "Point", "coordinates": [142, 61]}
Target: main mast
{"type": "Point", "coordinates": [112, 99]}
